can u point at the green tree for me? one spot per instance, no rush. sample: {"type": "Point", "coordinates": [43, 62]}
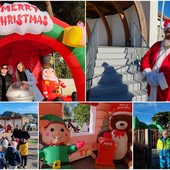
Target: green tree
{"type": "Point", "coordinates": [105, 124]}
{"type": "Point", "coordinates": [67, 111]}
{"type": "Point", "coordinates": [82, 114]}
{"type": "Point", "coordinates": [61, 68]}
{"type": "Point", "coordinates": [162, 118]}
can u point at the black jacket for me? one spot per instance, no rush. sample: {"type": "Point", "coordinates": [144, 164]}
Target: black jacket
{"type": "Point", "coordinates": [13, 156]}
{"type": "Point", "coordinates": [4, 86]}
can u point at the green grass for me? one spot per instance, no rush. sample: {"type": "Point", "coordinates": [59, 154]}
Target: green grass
{"type": "Point", "coordinates": [33, 141]}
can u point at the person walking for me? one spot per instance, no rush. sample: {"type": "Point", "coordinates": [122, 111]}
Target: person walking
{"type": "Point", "coordinates": [163, 147]}
{"type": "Point", "coordinates": [5, 81]}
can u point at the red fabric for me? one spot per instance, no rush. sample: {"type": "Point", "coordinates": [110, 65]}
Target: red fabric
{"type": "Point", "coordinates": [29, 48]}
{"type": "Point", "coordinates": [48, 87]}
{"type": "Point", "coordinates": [59, 22]}
{"type": "Point", "coordinates": [167, 21]}
{"type": "Point", "coordinates": [107, 134]}
{"type": "Point", "coordinates": [121, 107]}
{"type": "Point", "coordinates": [118, 133]}
{"type": "Point", "coordinates": [148, 61]}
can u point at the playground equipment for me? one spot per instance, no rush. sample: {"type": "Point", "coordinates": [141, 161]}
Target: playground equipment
{"type": "Point", "coordinates": [141, 125]}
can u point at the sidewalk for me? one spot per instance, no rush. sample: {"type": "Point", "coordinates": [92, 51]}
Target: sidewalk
{"type": "Point", "coordinates": [32, 161]}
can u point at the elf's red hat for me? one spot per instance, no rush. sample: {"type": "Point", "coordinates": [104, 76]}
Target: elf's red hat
{"type": "Point", "coordinates": [166, 24]}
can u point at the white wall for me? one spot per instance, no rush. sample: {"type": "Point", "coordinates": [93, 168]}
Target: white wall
{"type": "Point", "coordinates": [151, 15]}
{"type": "Point", "coordinates": [151, 12]}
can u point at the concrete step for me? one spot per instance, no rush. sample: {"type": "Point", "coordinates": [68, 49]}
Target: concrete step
{"type": "Point", "coordinates": [101, 90]}
{"type": "Point", "coordinates": [126, 68]}
{"type": "Point", "coordinates": [106, 79]}
{"type": "Point", "coordinates": [112, 97]}
{"type": "Point", "coordinates": [115, 81]}
{"type": "Point", "coordinates": [115, 55]}
{"type": "Point", "coordinates": [114, 62]}
{"type": "Point", "coordinates": [138, 95]}
{"type": "Point", "coordinates": [112, 49]}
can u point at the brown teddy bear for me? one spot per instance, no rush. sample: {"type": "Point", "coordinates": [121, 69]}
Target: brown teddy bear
{"type": "Point", "coordinates": [120, 133]}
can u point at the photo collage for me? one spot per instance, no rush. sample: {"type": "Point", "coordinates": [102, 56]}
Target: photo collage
{"type": "Point", "coordinates": [84, 84]}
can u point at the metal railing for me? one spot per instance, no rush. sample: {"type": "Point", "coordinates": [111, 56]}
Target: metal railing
{"type": "Point", "coordinates": [91, 52]}
{"type": "Point", "coordinates": [139, 43]}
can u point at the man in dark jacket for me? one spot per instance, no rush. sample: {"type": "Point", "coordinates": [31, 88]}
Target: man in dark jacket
{"type": "Point", "coordinates": [17, 132]}
{"type": "Point", "coordinates": [5, 81]}
{"type": "Point", "coordinates": [24, 133]}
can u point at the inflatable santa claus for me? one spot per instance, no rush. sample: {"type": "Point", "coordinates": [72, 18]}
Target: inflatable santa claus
{"type": "Point", "coordinates": [155, 68]}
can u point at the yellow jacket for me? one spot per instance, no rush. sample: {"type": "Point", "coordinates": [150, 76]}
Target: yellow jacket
{"type": "Point", "coordinates": [23, 149]}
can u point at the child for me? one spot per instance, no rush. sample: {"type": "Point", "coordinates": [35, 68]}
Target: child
{"type": "Point", "coordinates": [2, 159]}
{"type": "Point", "coordinates": [23, 150]}
{"type": "Point", "coordinates": [12, 156]}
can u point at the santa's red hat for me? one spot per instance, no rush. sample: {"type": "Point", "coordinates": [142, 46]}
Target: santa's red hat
{"type": "Point", "coordinates": [166, 24]}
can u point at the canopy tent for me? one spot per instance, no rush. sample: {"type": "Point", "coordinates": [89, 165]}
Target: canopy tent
{"type": "Point", "coordinates": [29, 48]}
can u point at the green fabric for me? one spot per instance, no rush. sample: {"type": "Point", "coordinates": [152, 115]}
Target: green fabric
{"type": "Point", "coordinates": [79, 53]}
{"type": "Point", "coordinates": [52, 118]}
{"type": "Point", "coordinates": [55, 32]}
{"type": "Point", "coordinates": [53, 153]}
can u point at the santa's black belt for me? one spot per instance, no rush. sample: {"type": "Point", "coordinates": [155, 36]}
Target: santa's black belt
{"type": "Point", "coordinates": [46, 166]}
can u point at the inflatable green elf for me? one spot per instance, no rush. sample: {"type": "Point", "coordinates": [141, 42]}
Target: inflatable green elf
{"type": "Point", "coordinates": [56, 136]}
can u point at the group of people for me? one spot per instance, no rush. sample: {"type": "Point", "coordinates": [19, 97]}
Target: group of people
{"type": "Point", "coordinates": [14, 152]}
{"type": "Point", "coordinates": [22, 75]}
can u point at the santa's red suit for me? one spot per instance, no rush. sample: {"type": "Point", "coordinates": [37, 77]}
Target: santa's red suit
{"type": "Point", "coordinates": [157, 62]}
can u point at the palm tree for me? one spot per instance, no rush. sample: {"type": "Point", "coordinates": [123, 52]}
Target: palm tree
{"type": "Point", "coordinates": [49, 8]}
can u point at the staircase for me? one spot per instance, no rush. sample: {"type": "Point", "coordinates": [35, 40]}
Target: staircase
{"type": "Point", "coordinates": [117, 76]}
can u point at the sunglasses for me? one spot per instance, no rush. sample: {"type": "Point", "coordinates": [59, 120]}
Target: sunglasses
{"type": "Point", "coordinates": [4, 68]}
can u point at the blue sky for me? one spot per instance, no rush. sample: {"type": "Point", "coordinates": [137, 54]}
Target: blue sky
{"type": "Point", "coordinates": [166, 8]}
{"type": "Point", "coordinates": [19, 107]}
{"type": "Point", "coordinates": [145, 111]}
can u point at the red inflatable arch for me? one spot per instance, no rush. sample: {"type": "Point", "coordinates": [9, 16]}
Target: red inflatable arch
{"type": "Point", "coordinates": [29, 48]}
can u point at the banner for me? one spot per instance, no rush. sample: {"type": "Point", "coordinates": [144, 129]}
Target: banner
{"type": "Point", "coordinates": [23, 18]}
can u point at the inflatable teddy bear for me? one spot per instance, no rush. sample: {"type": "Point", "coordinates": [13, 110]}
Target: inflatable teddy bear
{"type": "Point", "coordinates": [120, 133]}
{"type": "Point", "coordinates": [55, 136]}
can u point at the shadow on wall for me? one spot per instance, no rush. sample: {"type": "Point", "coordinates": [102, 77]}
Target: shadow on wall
{"type": "Point", "coordinates": [109, 86]}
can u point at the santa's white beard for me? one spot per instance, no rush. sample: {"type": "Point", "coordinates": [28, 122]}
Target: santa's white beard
{"type": "Point", "coordinates": [167, 42]}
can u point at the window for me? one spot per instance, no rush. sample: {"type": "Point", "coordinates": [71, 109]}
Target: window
{"type": "Point", "coordinates": [78, 118]}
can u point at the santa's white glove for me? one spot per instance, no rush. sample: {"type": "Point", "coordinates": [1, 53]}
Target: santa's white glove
{"type": "Point", "coordinates": [152, 79]}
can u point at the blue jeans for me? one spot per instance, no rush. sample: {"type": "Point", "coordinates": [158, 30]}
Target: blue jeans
{"type": "Point", "coordinates": [165, 162]}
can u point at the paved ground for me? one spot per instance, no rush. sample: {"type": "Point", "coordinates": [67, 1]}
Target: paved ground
{"type": "Point", "coordinates": [33, 149]}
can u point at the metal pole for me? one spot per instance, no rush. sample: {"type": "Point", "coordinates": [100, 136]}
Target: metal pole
{"type": "Point", "coordinates": [162, 14]}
